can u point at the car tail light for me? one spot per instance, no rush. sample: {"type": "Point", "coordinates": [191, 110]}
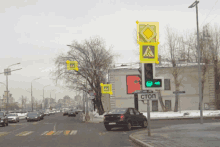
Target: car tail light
{"type": "Point", "coordinates": [122, 117]}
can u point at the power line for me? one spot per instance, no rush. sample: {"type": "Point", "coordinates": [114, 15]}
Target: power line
{"type": "Point", "coordinates": [209, 13]}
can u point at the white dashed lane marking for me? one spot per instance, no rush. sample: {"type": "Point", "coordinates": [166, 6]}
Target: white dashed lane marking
{"type": "Point", "coordinates": [45, 133]}
{"type": "Point", "coordinates": [73, 132]}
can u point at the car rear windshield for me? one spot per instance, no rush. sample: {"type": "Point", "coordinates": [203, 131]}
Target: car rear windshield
{"type": "Point", "coordinates": [117, 111]}
{"type": "Point", "coordinates": [32, 114]}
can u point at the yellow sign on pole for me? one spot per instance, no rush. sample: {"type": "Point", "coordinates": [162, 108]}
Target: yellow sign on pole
{"type": "Point", "coordinates": [148, 39]}
{"type": "Point", "coordinates": [106, 88]}
{"type": "Point", "coordinates": [72, 65]}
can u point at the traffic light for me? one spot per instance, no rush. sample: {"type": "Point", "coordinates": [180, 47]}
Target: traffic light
{"type": "Point", "coordinates": [149, 81]}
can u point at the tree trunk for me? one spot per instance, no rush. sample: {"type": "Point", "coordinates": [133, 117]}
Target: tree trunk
{"type": "Point", "coordinates": [161, 101]}
{"type": "Point", "coordinates": [176, 103]}
{"type": "Point", "coordinates": [99, 103]}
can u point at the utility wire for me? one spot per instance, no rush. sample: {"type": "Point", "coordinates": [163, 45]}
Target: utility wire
{"type": "Point", "coordinates": [209, 13]}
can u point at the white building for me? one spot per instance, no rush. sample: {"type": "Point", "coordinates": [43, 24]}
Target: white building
{"type": "Point", "coordinates": [124, 82]}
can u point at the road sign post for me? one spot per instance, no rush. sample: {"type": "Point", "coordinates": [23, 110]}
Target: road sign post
{"type": "Point", "coordinates": [147, 95]}
{"type": "Point", "coordinates": [148, 117]}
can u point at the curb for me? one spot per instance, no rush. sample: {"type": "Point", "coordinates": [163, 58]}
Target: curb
{"type": "Point", "coordinates": [139, 142]}
{"type": "Point", "coordinates": [181, 118]}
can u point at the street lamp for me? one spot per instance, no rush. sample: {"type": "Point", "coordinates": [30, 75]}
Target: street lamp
{"type": "Point", "coordinates": [43, 94]}
{"type": "Point", "coordinates": [7, 73]}
{"type": "Point", "coordinates": [32, 92]}
{"type": "Point", "coordinates": [199, 68]}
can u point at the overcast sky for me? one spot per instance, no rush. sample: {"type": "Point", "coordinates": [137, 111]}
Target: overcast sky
{"type": "Point", "coordinates": [33, 32]}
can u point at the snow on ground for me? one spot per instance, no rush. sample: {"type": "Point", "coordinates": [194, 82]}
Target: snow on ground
{"type": "Point", "coordinates": [171, 114]}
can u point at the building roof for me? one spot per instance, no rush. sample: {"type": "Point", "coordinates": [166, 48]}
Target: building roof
{"type": "Point", "coordinates": [164, 64]}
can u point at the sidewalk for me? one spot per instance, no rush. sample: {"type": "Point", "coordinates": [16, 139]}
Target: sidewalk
{"type": "Point", "coordinates": [190, 135]}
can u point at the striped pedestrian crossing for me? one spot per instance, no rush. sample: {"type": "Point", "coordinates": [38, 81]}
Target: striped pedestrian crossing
{"type": "Point", "coordinates": [25, 133]}
{"type": "Point", "coordinates": [3, 133]}
{"type": "Point", "coordinates": [45, 133]}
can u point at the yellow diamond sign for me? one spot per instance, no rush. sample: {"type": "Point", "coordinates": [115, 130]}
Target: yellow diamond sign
{"type": "Point", "coordinates": [148, 33]}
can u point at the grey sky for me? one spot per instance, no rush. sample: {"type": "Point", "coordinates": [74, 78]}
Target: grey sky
{"type": "Point", "coordinates": [34, 32]}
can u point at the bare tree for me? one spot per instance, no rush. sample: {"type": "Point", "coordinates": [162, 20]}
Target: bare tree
{"type": "Point", "coordinates": [174, 45]}
{"type": "Point", "coordinates": [94, 61]}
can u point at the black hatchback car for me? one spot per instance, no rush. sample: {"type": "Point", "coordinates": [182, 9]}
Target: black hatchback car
{"type": "Point", "coordinates": [124, 117]}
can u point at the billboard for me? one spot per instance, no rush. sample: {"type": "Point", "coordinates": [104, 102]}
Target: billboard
{"type": "Point", "coordinates": [132, 83]}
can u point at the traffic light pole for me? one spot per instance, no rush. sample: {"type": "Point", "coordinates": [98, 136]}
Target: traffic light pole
{"type": "Point", "coordinates": [148, 117]}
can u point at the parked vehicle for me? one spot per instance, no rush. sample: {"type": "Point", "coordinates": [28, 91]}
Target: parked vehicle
{"type": "Point", "coordinates": [124, 117]}
{"type": "Point", "coordinates": [33, 116]}
{"type": "Point", "coordinates": [72, 113]}
{"type": "Point", "coordinates": [65, 113]}
{"type": "Point", "coordinates": [3, 119]}
{"type": "Point", "coordinates": [13, 117]}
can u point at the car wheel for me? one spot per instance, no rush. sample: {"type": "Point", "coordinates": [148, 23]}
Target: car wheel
{"type": "Point", "coordinates": [144, 124]}
{"type": "Point", "coordinates": [128, 127]}
{"type": "Point", "coordinates": [108, 128]}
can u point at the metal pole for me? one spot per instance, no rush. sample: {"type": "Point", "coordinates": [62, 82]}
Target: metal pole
{"type": "Point", "coordinates": [148, 117]}
{"type": "Point", "coordinates": [199, 69]}
{"type": "Point", "coordinates": [43, 99]}
{"type": "Point", "coordinates": [7, 91]}
{"type": "Point", "coordinates": [31, 98]}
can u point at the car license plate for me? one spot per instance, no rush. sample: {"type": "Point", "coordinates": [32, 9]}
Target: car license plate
{"type": "Point", "coordinates": [113, 123]}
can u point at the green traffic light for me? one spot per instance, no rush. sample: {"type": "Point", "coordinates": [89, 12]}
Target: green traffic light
{"type": "Point", "coordinates": [153, 83]}
{"type": "Point", "coordinates": [157, 83]}
{"type": "Point", "coordinates": [149, 83]}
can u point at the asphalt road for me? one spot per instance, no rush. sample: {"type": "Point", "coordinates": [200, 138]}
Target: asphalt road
{"type": "Point", "coordinates": [62, 131]}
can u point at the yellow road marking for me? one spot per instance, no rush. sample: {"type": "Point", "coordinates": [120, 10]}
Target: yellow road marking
{"type": "Point", "coordinates": [58, 133]}
{"type": "Point", "coordinates": [50, 133]}
{"type": "Point", "coordinates": [20, 134]}
{"type": "Point", "coordinates": [66, 132]}
{"type": "Point", "coordinates": [3, 133]}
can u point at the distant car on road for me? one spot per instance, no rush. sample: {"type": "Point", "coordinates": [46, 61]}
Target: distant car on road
{"type": "Point", "coordinates": [3, 119]}
{"type": "Point", "coordinates": [124, 117]}
{"type": "Point", "coordinates": [13, 117]}
{"type": "Point", "coordinates": [33, 116]}
{"type": "Point", "coordinates": [72, 113]}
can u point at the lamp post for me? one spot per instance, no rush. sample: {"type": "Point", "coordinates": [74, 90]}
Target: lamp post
{"type": "Point", "coordinates": [8, 72]}
{"type": "Point", "coordinates": [32, 93]}
{"type": "Point", "coordinates": [199, 68]}
{"type": "Point", "coordinates": [43, 95]}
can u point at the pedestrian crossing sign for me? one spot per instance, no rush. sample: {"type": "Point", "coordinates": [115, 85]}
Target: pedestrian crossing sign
{"type": "Point", "coordinates": [149, 53]}
{"type": "Point", "coordinates": [72, 65]}
{"type": "Point", "coordinates": [106, 88]}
